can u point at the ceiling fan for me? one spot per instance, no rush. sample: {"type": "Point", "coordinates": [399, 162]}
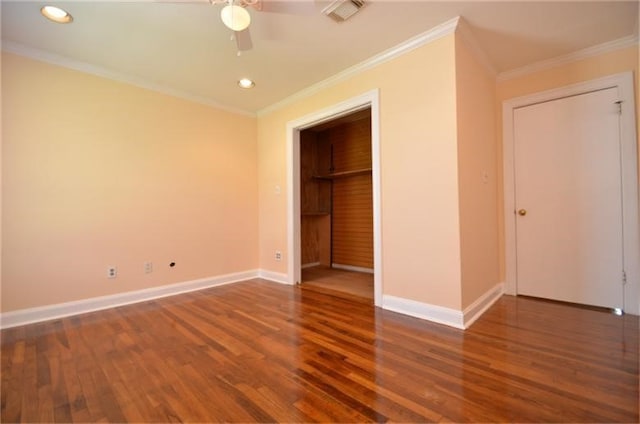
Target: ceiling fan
{"type": "Point", "coordinates": [236, 17]}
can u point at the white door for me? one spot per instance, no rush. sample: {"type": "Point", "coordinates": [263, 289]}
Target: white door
{"type": "Point", "coordinates": [568, 199]}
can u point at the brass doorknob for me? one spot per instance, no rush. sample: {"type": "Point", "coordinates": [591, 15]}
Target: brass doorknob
{"type": "Point", "coordinates": [522, 212]}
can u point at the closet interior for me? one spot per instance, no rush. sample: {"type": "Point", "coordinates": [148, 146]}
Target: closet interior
{"type": "Point", "coordinates": [337, 205]}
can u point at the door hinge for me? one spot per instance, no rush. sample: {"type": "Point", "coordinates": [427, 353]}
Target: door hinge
{"type": "Point", "coordinates": [624, 277]}
{"type": "Point", "coordinates": [619, 104]}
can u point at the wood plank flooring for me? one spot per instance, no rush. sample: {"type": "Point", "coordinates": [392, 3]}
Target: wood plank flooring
{"type": "Point", "coordinates": [263, 352]}
{"type": "Point", "coordinates": [324, 278]}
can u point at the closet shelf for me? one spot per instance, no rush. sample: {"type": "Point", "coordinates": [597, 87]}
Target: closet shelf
{"type": "Point", "coordinates": [344, 174]}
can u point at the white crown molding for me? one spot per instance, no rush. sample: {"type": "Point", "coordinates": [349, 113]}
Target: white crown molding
{"type": "Point", "coordinates": [609, 46]}
{"type": "Point", "coordinates": [466, 34]}
{"type": "Point", "coordinates": [413, 43]}
{"type": "Point", "coordinates": [60, 310]}
{"type": "Point", "coordinates": [63, 61]}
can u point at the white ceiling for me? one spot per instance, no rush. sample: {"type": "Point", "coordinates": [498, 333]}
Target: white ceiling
{"type": "Point", "coordinates": [184, 47]}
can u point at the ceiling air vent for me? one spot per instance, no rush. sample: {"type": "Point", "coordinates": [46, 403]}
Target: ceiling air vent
{"type": "Point", "coordinates": [341, 10]}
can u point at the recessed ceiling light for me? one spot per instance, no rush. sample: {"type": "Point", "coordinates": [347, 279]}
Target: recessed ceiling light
{"type": "Point", "coordinates": [246, 83]}
{"type": "Point", "coordinates": [55, 14]}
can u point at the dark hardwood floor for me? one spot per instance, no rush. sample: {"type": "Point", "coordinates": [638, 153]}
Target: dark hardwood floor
{"type": "Point", "coordinates": [259, 351]}
{"type": "Point", "coordinates": [338, 281]}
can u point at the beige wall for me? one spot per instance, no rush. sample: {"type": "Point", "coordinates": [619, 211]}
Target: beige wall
{"type": "Point", "coordinates": [99, 173]}
{"type": "Point", "coordinates": [477, 172]}
{"type": "Point", "coordinates": [571, 73]}
{"type": "Point", "coordinates": [419, 179]}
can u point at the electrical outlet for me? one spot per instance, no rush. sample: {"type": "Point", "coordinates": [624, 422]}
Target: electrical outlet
{"type": "Point", "coordinates": [148, 267]}
{"type": "Point", "coordinates": [112, 272]}
{"type": "Point", "coordinates": [278, 255]}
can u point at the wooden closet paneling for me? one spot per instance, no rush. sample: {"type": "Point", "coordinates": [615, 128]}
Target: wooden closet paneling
{"type": "Point", "coordinates": [336, 193]}
{"type": "Point", "coordinates": [352, 238]}
{"type": "Point", "coordinates": [316, 239]}
{"type": "Point", "coordinates": [351, 145]}
{"type": "Point", "coordinates": [315, 194]}
{"type": "Point", "coordinates": [315, 200]}
{"type": "Point", "coordinates": [352, 210]}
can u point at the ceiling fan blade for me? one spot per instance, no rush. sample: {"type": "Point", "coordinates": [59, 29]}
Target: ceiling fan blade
{"type": "Point", "coordinates": [179, 1]}
{"type": "Point", "coordinates": [288, 7]}
{"type": "Point", "coordinates": [243, 40]}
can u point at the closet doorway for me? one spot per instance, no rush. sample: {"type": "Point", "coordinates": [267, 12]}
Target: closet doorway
{"type": "Point", "coordinates": [336, 206]}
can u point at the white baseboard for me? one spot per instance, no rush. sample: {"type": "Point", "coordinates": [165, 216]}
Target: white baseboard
{"type": "Point", "coordinates": [60, 310]}
{"type": "Point", "coordinates": [352, 268]}
{"type": "Point", "coordinates": [474, 311]}
{"type": "Point", "coordinates": [447, 316]}
{"type": "Point", "coordinates": [276, 277]}
{"type": "Point", "coordinates": [439, 314]}
{"type": "Point", "coordinates": [310, 265]}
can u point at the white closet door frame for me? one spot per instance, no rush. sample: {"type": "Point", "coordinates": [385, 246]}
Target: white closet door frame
{"type": "Point", "coordinates": [369, 99]}
{"type": "Point", "coordinates": [629, 163]}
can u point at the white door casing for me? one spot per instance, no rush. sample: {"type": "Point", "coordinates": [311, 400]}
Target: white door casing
{"type": "Point", "coordinates": [621, 86]}
{"type": "Point", "coordinates": [369, 99]}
